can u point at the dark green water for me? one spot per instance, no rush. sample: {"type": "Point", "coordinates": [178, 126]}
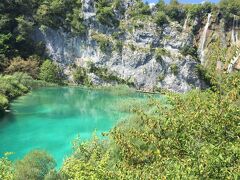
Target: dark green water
{"type": "Point", "coordinates": [51, 118]}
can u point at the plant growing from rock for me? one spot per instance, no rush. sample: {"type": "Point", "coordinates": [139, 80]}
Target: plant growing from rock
{"type": "Point", "coordinates": [174, 69]}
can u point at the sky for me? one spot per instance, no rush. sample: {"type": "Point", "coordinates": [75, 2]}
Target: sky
{"type": "Point", "coordinates": [183, 1]}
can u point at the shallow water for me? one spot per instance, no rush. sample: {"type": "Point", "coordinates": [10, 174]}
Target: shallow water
{"type": "Point", "coordinates": [51, 118]}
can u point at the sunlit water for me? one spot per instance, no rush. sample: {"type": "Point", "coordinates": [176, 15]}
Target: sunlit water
{"type": "Point", "coordinates": [51, 118]}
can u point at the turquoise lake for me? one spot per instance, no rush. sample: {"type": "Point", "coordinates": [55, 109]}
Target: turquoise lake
{"type": "Point", "coordinates": [51, 118]}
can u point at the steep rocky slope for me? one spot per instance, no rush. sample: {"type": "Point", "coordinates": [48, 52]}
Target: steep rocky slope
{"type": "Point", "coordinates": [139, 51]}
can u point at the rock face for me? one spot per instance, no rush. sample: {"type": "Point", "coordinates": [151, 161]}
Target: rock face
{"type": "Point", "coordinates": [137, 60]}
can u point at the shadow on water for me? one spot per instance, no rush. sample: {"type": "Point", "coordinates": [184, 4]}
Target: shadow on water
{"type": "Point", "coordinates": [6, 118]}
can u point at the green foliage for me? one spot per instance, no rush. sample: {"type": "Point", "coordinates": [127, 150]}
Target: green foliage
{"type": "Point", "coordinates": [3, 102]}
{"type": "Point", "coordinates": [80, 76]}
{"type": "Point", "coordinates": [132, 47]}
{"type": "Point", "coordinates": [29, 66]}
{"type": "Point", "coordinates": [119, 46]}
{"type": "Point", "coordinates": [50, 72]}
{"type": "Point", "coordinates": [174, 69]}
{"type": "Point", "coordinates": [16, 26]}
{"type": "Point", "coordinates": [6, 168]}
{"type": "Point", "coordinates": [161, 18]}
{"type": "Point", "coordinates": [35, 165]}
{"type": "Point", "coordinates": [190, 136]}
{"type": "Point", "coordinates": [228, 9]}
{"type": "Point", "coordinates": [161, 5]}
{"type": "Point", "coordinates": [77, 22]}
{"type": "Point", "coordinates": [105, 13]}
{"type": "Point", "coordinates": [161, 77]}
{"type": "Point", "coordinates": [12, 86]}
{"type": "Point", "coordinates": [103, 41]}
{"type": "Point", "coordinates": [107, 76]}
{"type": "Point", "coordinates": [175, 11]}
{"type": "Point", "coordinates": [139, 10]}
{"type": "Point", "coordinates": [89, 161]}
{"type": "Point", "coordinates": [159, 52]}
{"type": "Point", "coordinates": [199, 10]}
{"type": "Point", "coordinates": [189, 50]}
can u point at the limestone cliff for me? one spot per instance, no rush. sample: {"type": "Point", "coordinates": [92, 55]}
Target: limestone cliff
{"type": "Point", "coordinates": [140, 52]}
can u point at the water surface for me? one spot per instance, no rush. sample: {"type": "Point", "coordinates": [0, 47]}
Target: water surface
{"type": "Point", "coordinates": [51, 118]}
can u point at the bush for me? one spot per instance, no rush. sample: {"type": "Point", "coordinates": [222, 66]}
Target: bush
{"type": "Point", "coordinates": [11, 88]}
{"type": "Point", "coordinates": [228, 9]}
{"type": "Point", "coordinates": [175, 11]}
{"type": "Point", "coordinates": [174, 69]}
{"type": "Point", "coordinates": [119, 46]}
{"type": "Point", "coordinates": [199, 10]}
{"type": "Point", "coordinates": [189, 136]}
{"type": "Point", "coordinates": [29, 66]}
{"type": "Point", "coordinates": [103, 41]}
{"type": "Point", "coordinates": [140, 10]}
{"type": "Point", "coordinates": [161, 18]}
{"type": "Point", "coordinates": [6, 168]}
{"type": "Point", "coordinates": [3, 102]}
{"type": "Point", "coordinates": [105, 14]}
{"type": "Point", "coordinates": [159, 52]}
{"type": "Point", "coordinates": [80, 76]}
{"type": "Point", "coordinates": [50, 72]}
{"type": "Point", "coordinates": [35, 165]}
{"type": "Point", "coordinates": [189, 50]}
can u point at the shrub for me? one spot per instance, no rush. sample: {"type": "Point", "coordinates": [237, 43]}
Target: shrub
{"type": "Point", "coordinates": [50, 72]}
{"type": "Point", "coordinates": [103, 41]}
{"type": "Point", "coordinates": [188, 136]}
{"type": "Point", "coordinates": [3, 102]}
{"type": "Point", "coordinates": [77, 22]}
{"type": "Point", "coordinates": [189, 50]}
{"type": "Point", "coordinates": [119, 46]}
{"type": "Point", "coordinates": [159, 52]}
{"type": "Point", "coordinates": [80, 76]}
{"type": "Point", "coordinates": [35, 165]}
{"type": "Point", "coordinates": [199, 10]}
{"type": "Point", "coordinates": [11, 88]}
{"type": "Point", "coordinates": [6, 168]}
{"type": "Point", "coordinates": [139, 10]}
{"type": "Point", "coordinates": [228, 9]}
{"type": "Point", "coordinates": [29, 66]}
{"type": "Point", "coordinates": [175, 11]}
{"type": "Point", "coordinates": [132, 47]}
{"type": "Point", "coordinates": [174, 69]}
{"type": "Point", "coordinates": [161, 18]}
{"type": "Point", "coordinates": [161, 77]}
{"type": "Point", "coordinates": [105, 14]}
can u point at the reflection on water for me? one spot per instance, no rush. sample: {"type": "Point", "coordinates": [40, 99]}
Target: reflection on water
{"type": "Point", "coordinates": [50, 118]}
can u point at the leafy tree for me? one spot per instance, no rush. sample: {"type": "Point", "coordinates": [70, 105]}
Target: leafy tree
{"type": "Point", "coordinates": [228, 9]}
{"type": "Point", "coordinates": [161, 5]}
{"type": "Point", "coordinates": [140, 10]}
{"type": "Point", "coordinates": [80, 76]}
{"type": "Point", "coordinates": [105, 13]}
{"type": "Point", "coordinates": [175, 11]}
{"type": "Point", "coordinates": [51, 13]}
{"type": "Point", "coordinates": [29, 66]}
{"type": "Point", "coordinates": [35, 165]}
{"type": "Point", "coordinates": [50, 72]}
